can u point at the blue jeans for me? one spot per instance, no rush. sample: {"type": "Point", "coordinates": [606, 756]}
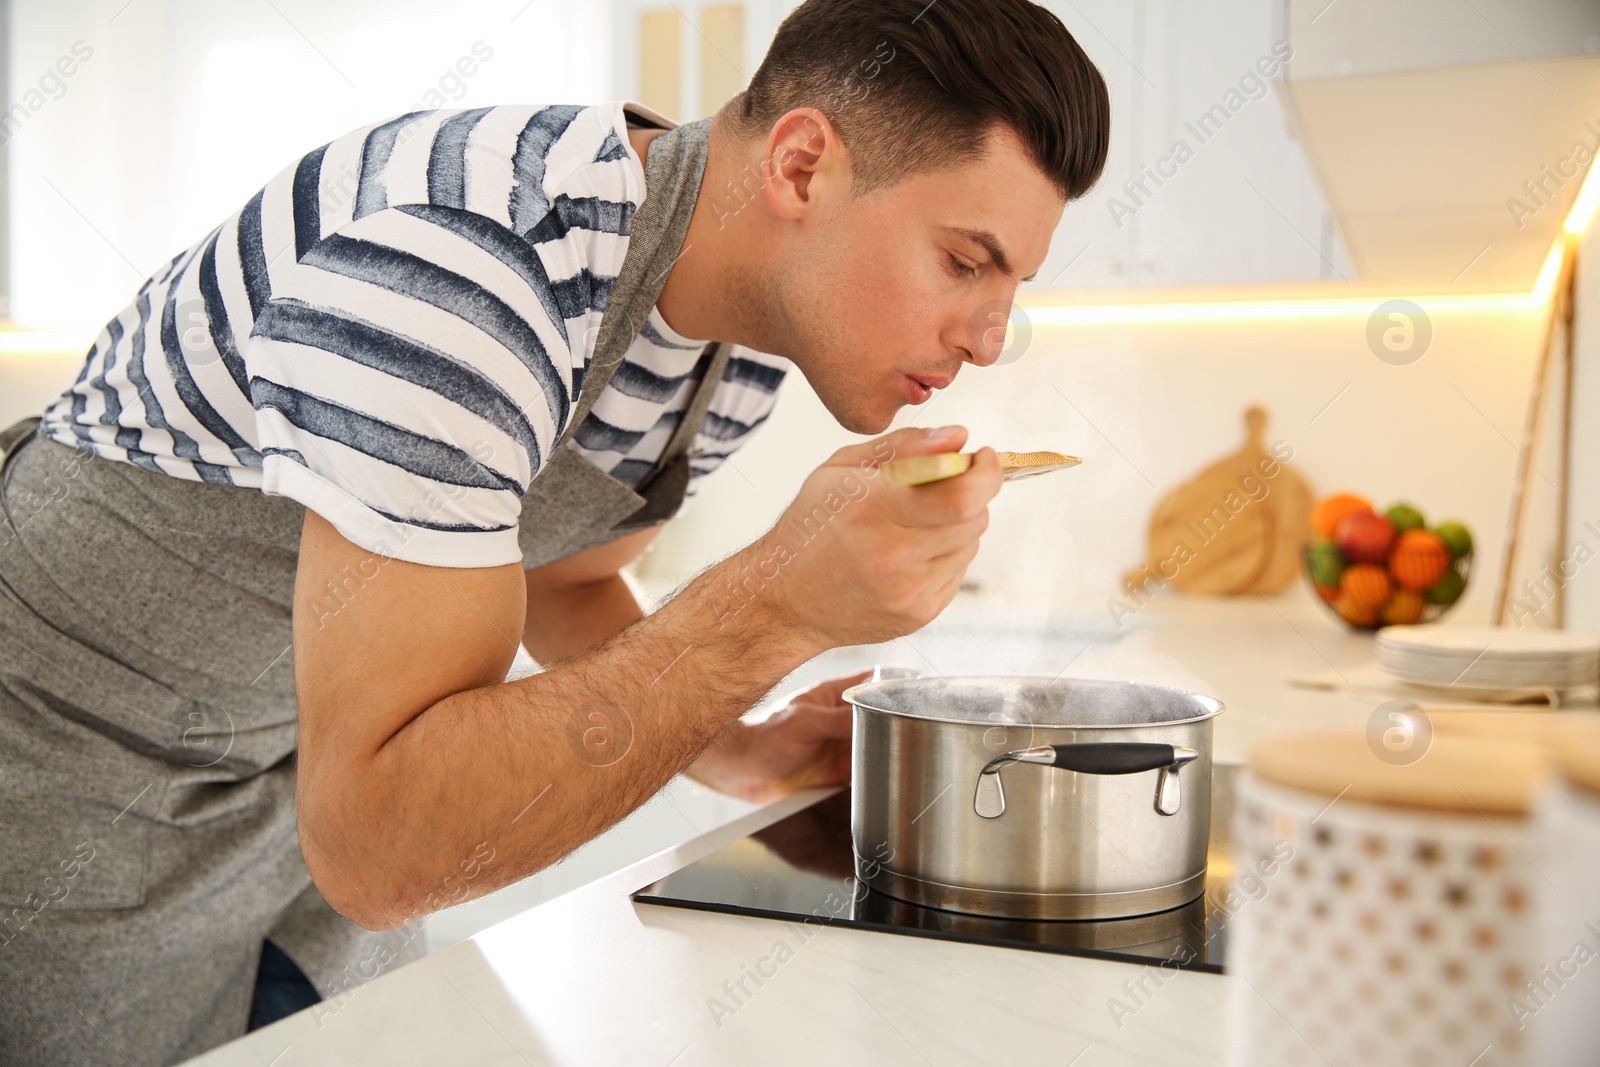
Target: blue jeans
{"type": "Point", "coordinates": [281, 988]}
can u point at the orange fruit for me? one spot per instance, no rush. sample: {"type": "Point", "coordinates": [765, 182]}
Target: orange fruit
{"type": "Point", "coordinates": [1405, 607]}
{"type": "Point", "coordinates": [1329, 593]}
{"type": "Point", "coordinates": [1355, 614]}
{"type": "Point", "coordinates": [1419, 560]}
{"type": "Point", "coordinates": [1330, 511]}
{"type": "Point", "coordinates": [1365, 585]}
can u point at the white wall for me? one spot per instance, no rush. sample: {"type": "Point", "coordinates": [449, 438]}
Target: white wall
{"type": "Point", "coordinates": [1147, 406]}
{"type": "Point", "coordinates": [184, 108]}
{"type": "Point", "coordinates": [29, 381]}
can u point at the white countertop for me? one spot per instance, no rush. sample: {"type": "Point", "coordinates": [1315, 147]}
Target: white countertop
{"type": "Point", "coordinates": [592, 978]}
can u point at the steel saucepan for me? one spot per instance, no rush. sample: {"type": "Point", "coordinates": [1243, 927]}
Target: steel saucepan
{"type": "Point", "coordinates": [1032, 798]}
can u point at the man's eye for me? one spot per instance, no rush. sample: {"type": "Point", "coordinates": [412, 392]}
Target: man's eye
{"type": "Point", "coordinates": [963, 269]}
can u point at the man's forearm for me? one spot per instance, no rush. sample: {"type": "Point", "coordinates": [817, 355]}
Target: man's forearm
{"type": "Point", "coordinates": [534, 768]}
{"type": "Point", "coordinates": [565, 620]}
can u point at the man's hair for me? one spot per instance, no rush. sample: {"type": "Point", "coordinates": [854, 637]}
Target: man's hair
{"type": "Point", "coordinates": [914, 86]}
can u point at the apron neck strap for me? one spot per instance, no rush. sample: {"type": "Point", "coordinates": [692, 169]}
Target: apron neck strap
{"type": "Point", "coordinates": [683, 436]}
{"type": "Point", "coordinates": [674, 167]}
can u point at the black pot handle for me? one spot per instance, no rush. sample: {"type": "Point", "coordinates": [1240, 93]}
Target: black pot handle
{"type": "Point", "coordinates": [1112, 757]}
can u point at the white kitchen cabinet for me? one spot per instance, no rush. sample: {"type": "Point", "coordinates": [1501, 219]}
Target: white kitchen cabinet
{"type": "Point", "coordinates": [1185, 200]}
{"type": "Point", "coordinates": [1240, 207]}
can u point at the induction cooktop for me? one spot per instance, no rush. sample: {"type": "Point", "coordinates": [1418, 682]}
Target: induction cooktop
{"type": "Point", "coordinates": [800, 869]}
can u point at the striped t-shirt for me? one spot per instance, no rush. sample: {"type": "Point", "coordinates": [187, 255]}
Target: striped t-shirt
{"type": "Point", "coordinates": [394, 332]}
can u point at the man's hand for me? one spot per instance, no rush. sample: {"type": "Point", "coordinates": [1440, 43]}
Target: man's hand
{"type": "Point", "coordinates": [855, 560]}
{"type": "Point", "coordinates": [805, 743]}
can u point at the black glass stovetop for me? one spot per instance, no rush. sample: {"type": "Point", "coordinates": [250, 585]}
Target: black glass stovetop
{"type": "Point", "coordinates": [800, 869]}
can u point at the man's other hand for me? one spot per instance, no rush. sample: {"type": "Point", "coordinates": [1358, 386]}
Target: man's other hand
{"type": "Point", "coordinates": [805, 743]}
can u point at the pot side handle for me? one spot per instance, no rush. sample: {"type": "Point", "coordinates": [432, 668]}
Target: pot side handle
{"type": "Point", "coordinates": [1117, 757]}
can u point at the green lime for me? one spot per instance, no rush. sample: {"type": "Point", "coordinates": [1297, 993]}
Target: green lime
{"type": "Point", "coordinates": [1447, 589]}
{"type": "Point", "coordinates": [1325, 562]}
{"type": "Point", "coordinates": [1456, 537]}
{"type": "Point", "coordinates": [1405, 517]}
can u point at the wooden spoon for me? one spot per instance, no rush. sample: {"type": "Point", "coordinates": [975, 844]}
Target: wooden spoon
{"type": "Point", "coordinates": [919, 470]}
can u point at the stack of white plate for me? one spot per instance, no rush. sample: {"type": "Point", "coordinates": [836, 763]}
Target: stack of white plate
{"type": "Point", "coordinates": [1488, 657]}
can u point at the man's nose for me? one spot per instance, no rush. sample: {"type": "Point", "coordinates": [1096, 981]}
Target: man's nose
{"type": "Point", "coordinates": [987, 334]}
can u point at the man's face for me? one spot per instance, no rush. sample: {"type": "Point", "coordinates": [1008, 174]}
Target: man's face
{"type": "Point", "coordinates": [888, 294]}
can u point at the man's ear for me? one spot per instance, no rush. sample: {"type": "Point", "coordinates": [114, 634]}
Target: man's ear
{"type": "Point", "coordinates": [805, 159]}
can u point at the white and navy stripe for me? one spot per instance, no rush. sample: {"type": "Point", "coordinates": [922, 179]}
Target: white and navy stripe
{"type": "Point", "coordinates": [394, 332]}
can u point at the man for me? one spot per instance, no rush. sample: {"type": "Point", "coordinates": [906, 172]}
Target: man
{"type": "Point", "coordinates": [267, 562]}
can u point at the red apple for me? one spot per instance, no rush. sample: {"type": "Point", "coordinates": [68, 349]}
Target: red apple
{"type": "Point", "coordinates": [1365, 538]}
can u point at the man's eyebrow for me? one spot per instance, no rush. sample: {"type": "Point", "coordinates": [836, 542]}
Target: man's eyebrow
{"type": "Point", "coordinates": [991, 245]}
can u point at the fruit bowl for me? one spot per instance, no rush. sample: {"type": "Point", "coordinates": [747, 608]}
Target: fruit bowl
{"type": "Point", "coordinates": [1376, 570]}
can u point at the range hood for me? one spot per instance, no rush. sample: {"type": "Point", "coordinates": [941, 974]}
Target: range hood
{"type": "Point", "coordinates": [1449, 137]}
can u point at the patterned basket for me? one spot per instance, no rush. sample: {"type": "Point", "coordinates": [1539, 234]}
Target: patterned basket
{"type": "Point", "coordinates": [1388, 936]}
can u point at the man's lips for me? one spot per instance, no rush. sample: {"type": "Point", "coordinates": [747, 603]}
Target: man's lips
{"type": "Point", "coordinates": [920, 389]}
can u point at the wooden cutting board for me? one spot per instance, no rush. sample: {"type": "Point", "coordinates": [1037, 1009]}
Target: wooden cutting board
{"type": "Point", "coordinates": [1291, 500]}
{"type": "Point", "coordinates": [1220, 534]}
{"type": "Point", "coordinates": [1462, 774]}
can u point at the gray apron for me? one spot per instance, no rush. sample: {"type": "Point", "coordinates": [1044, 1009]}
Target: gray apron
{"type": "Point", "coordinates": [147, 714]}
